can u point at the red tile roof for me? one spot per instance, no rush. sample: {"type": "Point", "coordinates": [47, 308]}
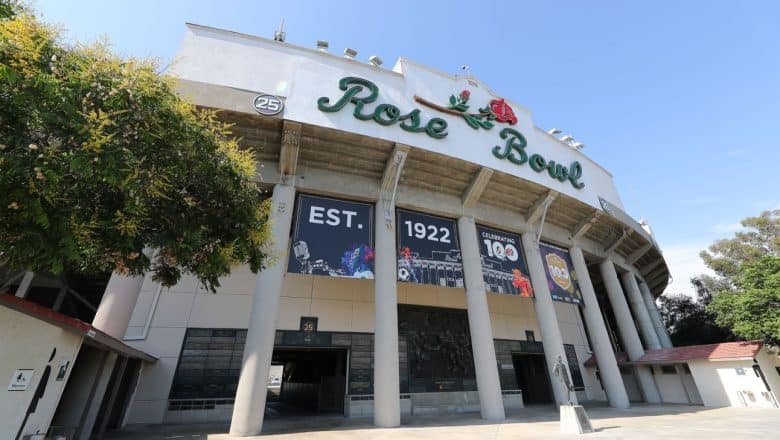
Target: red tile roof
{"type": "Point", "coordinates": [621, 357]}
{"type": "Point", "coordinates": [74, 325]}
{"type": "Point", "coordinates": [724, 350]}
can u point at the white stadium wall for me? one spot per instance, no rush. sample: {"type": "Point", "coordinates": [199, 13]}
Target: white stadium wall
{"type": "Point", "coordinates": [344, 305]}
{"type": "Point", "coordinates": [27, 343]}
{"type": "Point", "coordinates": [301, 76]}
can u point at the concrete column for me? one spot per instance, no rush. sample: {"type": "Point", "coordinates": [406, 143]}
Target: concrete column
{"type": "Point", "coordinates": [599, 338]}
{"type": "Point", "coordinates": [628, 333]}
{"type": "Point", "coordinates": [249, 406]}
{"type": "Point", "coordinates": [387, 388]}
{"type": "Point", "coordinates": [99, 386]}
{"type": "Point", "coordinates": [488, 385]}
{"type": "Point", "coordinates": [548, 320]}
{"type": "Point", "coordinates": [640, 311]}
{"type": "Point", "coordinates": [25, 284]}
{"type": "Point", "coordinates": [116, 307]}
{"type": "Point", "coordinates": [655, 316]}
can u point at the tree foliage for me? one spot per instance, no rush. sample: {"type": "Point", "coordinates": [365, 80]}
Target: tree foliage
{"type": "Point", "coordinates": [761, 237]}
{"type": "Point", "coordinates": [746, 287]}
{"type": "Point", "coordinates": [752, 309]}
{"type": "Point", "coordinates": [103, 167]}
{"type": "Point", "coordinates": [689, 322]}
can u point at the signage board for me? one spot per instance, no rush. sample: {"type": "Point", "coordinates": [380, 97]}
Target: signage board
{"type": "Point", "coordinates": [561, 278]}
{"type": "Point", "coordinates": [503, 264]}
{"type": "Point", "coordinates": [428, 249]}
{"type": "Point", "coordinates": [332, 237]}
{"type": "Point", "coordinates": [20, 380]}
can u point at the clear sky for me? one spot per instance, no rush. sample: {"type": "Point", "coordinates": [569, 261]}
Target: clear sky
{"type": "Point", "coordinates": [680, 100]}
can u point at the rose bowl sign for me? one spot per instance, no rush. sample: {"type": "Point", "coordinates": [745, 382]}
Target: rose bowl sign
{"type": "Point", "coordinates": [362, 93]}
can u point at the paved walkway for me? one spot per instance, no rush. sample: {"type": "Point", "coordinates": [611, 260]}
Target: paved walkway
{"type": "Point", "coordinates": [639, 422]}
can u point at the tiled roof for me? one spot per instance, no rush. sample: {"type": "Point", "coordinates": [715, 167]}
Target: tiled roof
{"type": "Point", "coordinates": [74, 325]}
{"type": "Point", "coordinates": [620, 356]}
{"type": "Point", "coordinates": [724, 350]}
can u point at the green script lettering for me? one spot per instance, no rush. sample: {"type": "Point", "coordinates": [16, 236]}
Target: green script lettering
{"type": "Point", "coordinates": [383, 114]}
{"type": "Point", "coordinates": [360, 91]}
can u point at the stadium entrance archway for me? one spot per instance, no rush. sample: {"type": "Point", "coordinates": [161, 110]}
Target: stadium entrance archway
{"type": "Point", "coordinates": [532, 378]}
{"type": "Point", "coordinates": [313, 381]}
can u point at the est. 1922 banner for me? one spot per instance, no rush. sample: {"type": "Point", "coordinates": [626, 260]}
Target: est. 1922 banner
{"type": "Point", "coordinates": [332, 237]}
{"type": "Point", "coordinates": [503, 264]}
{"type": "Point", "coordinates": [561, 277]}
{"type": "Point", "coordinates": [428, 249]}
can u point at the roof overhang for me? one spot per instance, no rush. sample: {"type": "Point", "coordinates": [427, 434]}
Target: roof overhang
{"type": "Point", "coordinates": [91, 336]}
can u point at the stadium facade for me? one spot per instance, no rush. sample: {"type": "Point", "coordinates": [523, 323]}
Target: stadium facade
{"type": "Point", "coordinates": [434, 252]}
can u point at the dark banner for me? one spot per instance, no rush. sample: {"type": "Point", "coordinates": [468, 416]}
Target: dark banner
{"type": "Point", "coordinates": [332, 237]}
{"type": "Point", "coordinates": [428, 249]}
{"type": "Point", "coordinates": [503, 264]}
{"type": "Point", "coordinates": [561, 277]}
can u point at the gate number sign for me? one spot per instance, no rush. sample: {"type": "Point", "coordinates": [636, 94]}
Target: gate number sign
{"type": "Point", "coordinates": [268, 105]}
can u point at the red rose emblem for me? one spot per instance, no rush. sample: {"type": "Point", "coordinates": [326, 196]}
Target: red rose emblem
{"type": "Point", "coordinates": [464, 95]}
{"type": "Point", "coordinates": [503, 111]}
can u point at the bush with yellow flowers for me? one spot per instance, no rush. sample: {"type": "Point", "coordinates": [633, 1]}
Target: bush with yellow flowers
{"type": "Point", "coordinates": [103, 167]}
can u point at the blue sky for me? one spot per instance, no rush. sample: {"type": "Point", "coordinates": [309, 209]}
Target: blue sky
{"type": "Point", "coordinates": [679, 100]}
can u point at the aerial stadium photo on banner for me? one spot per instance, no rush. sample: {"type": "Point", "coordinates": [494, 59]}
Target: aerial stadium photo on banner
{"type": "Point", "coordinates": [428, 250]}
{"type": "Point", "coordinates": [332, 237]}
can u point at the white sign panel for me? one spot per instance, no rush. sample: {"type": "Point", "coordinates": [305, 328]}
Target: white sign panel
{"type": "Point", "coordinates": [410, 104]}
{"type": "Point", "coordinates": [20, 380]}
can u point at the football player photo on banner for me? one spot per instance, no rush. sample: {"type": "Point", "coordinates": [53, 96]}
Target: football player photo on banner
{"type": "Point", "coordinates": [428, 249]}
{"type": "Point", "coordinates": [561, 277]}
{"type": "Point", "coordinates": [503, 264]}
{"type": "Point", "coordinates": [332, 237]}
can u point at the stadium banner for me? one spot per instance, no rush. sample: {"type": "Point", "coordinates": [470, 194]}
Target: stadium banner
{"type": "Point", "coordinates": [332, 237]}
{"type": "Point", "coordinates": [428, 249]}
{"type": "Point", "coordinates": [503, 264]}
{"type": "Point", "coordinates": [561, 277]}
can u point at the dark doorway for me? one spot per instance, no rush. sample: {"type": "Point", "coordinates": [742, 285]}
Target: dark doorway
{"type": "Point", "coordinates": [313, 381]}
{"type": "Point", "coordinates": [532, 378]}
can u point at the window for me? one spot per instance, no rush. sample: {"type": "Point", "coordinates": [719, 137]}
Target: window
{"type": "Point", "coordinates": [668, 369]}
{"type": "Point", "coordinates": [529, 336]}
{"type": "Point", "coordinates": [574, 367]}
{"type": "Point", "coordinates": [209, 365]}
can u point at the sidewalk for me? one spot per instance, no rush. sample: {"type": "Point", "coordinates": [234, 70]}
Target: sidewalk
{"type": "Point", "coordinates": [639, 422]}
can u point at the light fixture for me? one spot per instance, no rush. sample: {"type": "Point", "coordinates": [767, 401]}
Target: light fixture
{"type": "Point", "coordinates": [553, 131]}
{"type": "Point", "coordinates": [567, 138]}
{"type": "Point", "coordinates": [322, 45]}
{"type": "Point", "coordinates": [279, 34]}
{"type": "Point", "coordinates": [350, 53]}
{"type": "Point", "coordinates": [375, 60]}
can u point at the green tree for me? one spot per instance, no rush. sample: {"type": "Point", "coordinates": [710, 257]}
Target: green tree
{"type": "Point", "coordinates": [103, 167]}
{"type": "Point", "coordinates": [752, 308]}
{"type": "Point", "coordinates": [688, 321]}
{"type": "Point", "coordinates": [745, 291]}
{"type": "Point", "coordinates": [761, 237]}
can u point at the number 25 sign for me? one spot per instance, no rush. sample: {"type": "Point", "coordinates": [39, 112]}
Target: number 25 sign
{"type": "Point", "coordinates": [268, 105]}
